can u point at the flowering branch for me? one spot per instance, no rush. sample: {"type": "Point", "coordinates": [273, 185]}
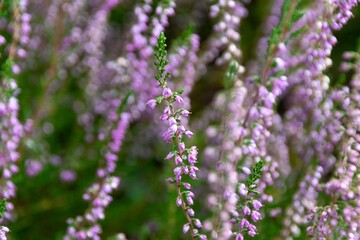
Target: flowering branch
{"type": "Point", "coordinates": [185, 158]}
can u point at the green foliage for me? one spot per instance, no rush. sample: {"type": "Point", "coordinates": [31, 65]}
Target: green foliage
{"type": "Point", "coordinates": [6, 75]}
{"type": "Point", "coordinates": [256, 173]}
{"type": "Point", "coordinates": [296, 34]}
{"type": "Point", "coordinates": [5, 8]}
{"type": "Point", "coordinates": [7, 69]}
{"type": "Point", "coordinates": [185, 36]}
{"type": "Point", "coordinates": [160, 55]}
{"type": "Point", "coordinates": [124, 102]}
{"type": "Point", "coordinates": [231, 74]}
{"type": "Point", "coordinates": [289, 16]}
{"type": "Point", "coordinates": [162, 3]}
{"type": "Point", "coordinates": [2, 207]}
{"type": "Point", "coordinates": [165, 3]}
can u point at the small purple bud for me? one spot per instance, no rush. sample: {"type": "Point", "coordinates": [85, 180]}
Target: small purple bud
{"type": "Point", "coordinates": [178, 160]}
{"type": "Point", "coordinates": [198, 223]}
{"type": "Point", "coordinates": [177, 171]}
{"type": "Point", "coordinates": [173, 129]}
{"type": "Point", "coordinates": [189, 134]}
{"type": "Point", "coordinates": [244, 223]}
{"type": "Point", "coordinates": [191, 194]}
{"type": "Point", "coordinates": [178, 202]}
{"type": "Point", "coordinates": [191, 212]}
{"type": "Point", "coordinates": [172, 121]}
{"type": "Point", "coordinates": [192, 158]}
{"type": "Point", "coordinates": [151, 103]}
{"type": "Point", "coordinates": [252, 233]}
{"type": "Point", "coordinates": [255, 216]}
{"type": "Point", "coordinates": [247, 210]}
{"type": "Point", "coordinates": [239, 236]}
{"type": "Point", "coordinates": [181, 129]}
{"type": "Point", "coordinates": [167, 92]}
{"type": "Point", "coordinates": [187, 185]}
{"type": "Point", "coordinates": [185, 113]}
{"type": "Point", "coordinates": [189, 200]}
{"type": "Point", "coordinates": [252, 228]}
{"type": "Point", "coordinates": [186, 228]}
{"type": "Point", "coordinates": [181, 147]}
{"type": "Point", "coordinates": [179, 99]}
{"type": "Point", "coordinates": [257, 205]}
{"type": "Point", "coordinates": [2, 40]}
{"type": "Point", "coordinates": [169, 156]}
{"type": "Point", "coordinates": [170, 180]}
{"type": "Point", "coordinates": [203, 237]}
{"type": "Point", "coordinates": [16, 69]}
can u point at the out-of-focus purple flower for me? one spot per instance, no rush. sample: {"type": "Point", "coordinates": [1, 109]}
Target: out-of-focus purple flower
{"type": "Point", "coordinates": [68, 176]}
{"type": "Point", "coordinates": [33, 167]}
{"type": "Point", "coordinates": [151, 103]}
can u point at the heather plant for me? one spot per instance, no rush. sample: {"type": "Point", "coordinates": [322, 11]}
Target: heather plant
{"type": "Point", "coordinates": [176, 119]}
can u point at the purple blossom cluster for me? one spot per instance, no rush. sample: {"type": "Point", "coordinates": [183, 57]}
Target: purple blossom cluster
{"type": "Point", "coordinates": [228, 15]}
{"type": "Point", "coordinates": [185, 158]}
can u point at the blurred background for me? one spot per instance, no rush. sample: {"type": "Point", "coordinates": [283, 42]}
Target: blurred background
{"type": "Point", "coordinates": [60, 156]}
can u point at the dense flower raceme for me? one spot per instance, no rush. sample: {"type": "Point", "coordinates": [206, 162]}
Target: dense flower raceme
{"type": "Point", "coordinates": [184, 158]}
{"type": "Point", "coordinates": [228, 14]}
{"type": "Point", "coordinates": [98, 195]}
{"type": "Point", "coordinates": [316, 104]}
{"type": "Point", "coordinates": [11, 129]}
{"type": "Point", "coordinates": [344, 186]}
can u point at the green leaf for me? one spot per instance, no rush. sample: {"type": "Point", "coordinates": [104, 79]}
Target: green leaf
{"type": "Point", "coordinates": [161, 62]}
{"type": "Point", "coordinates": [255, 174]}
{"type": "Point", "coordinates": [231, 74]}
{"type": "Point", "coordinates": [296, 16]}
{"type": "Point", "coordinates": [124, 102]}
{"type": "Point", "coordinates": [185, 36]}
{"type": "Point", "coordinates": [296, 33]}
{"type": "Point", "coordinates": [2, 208]}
